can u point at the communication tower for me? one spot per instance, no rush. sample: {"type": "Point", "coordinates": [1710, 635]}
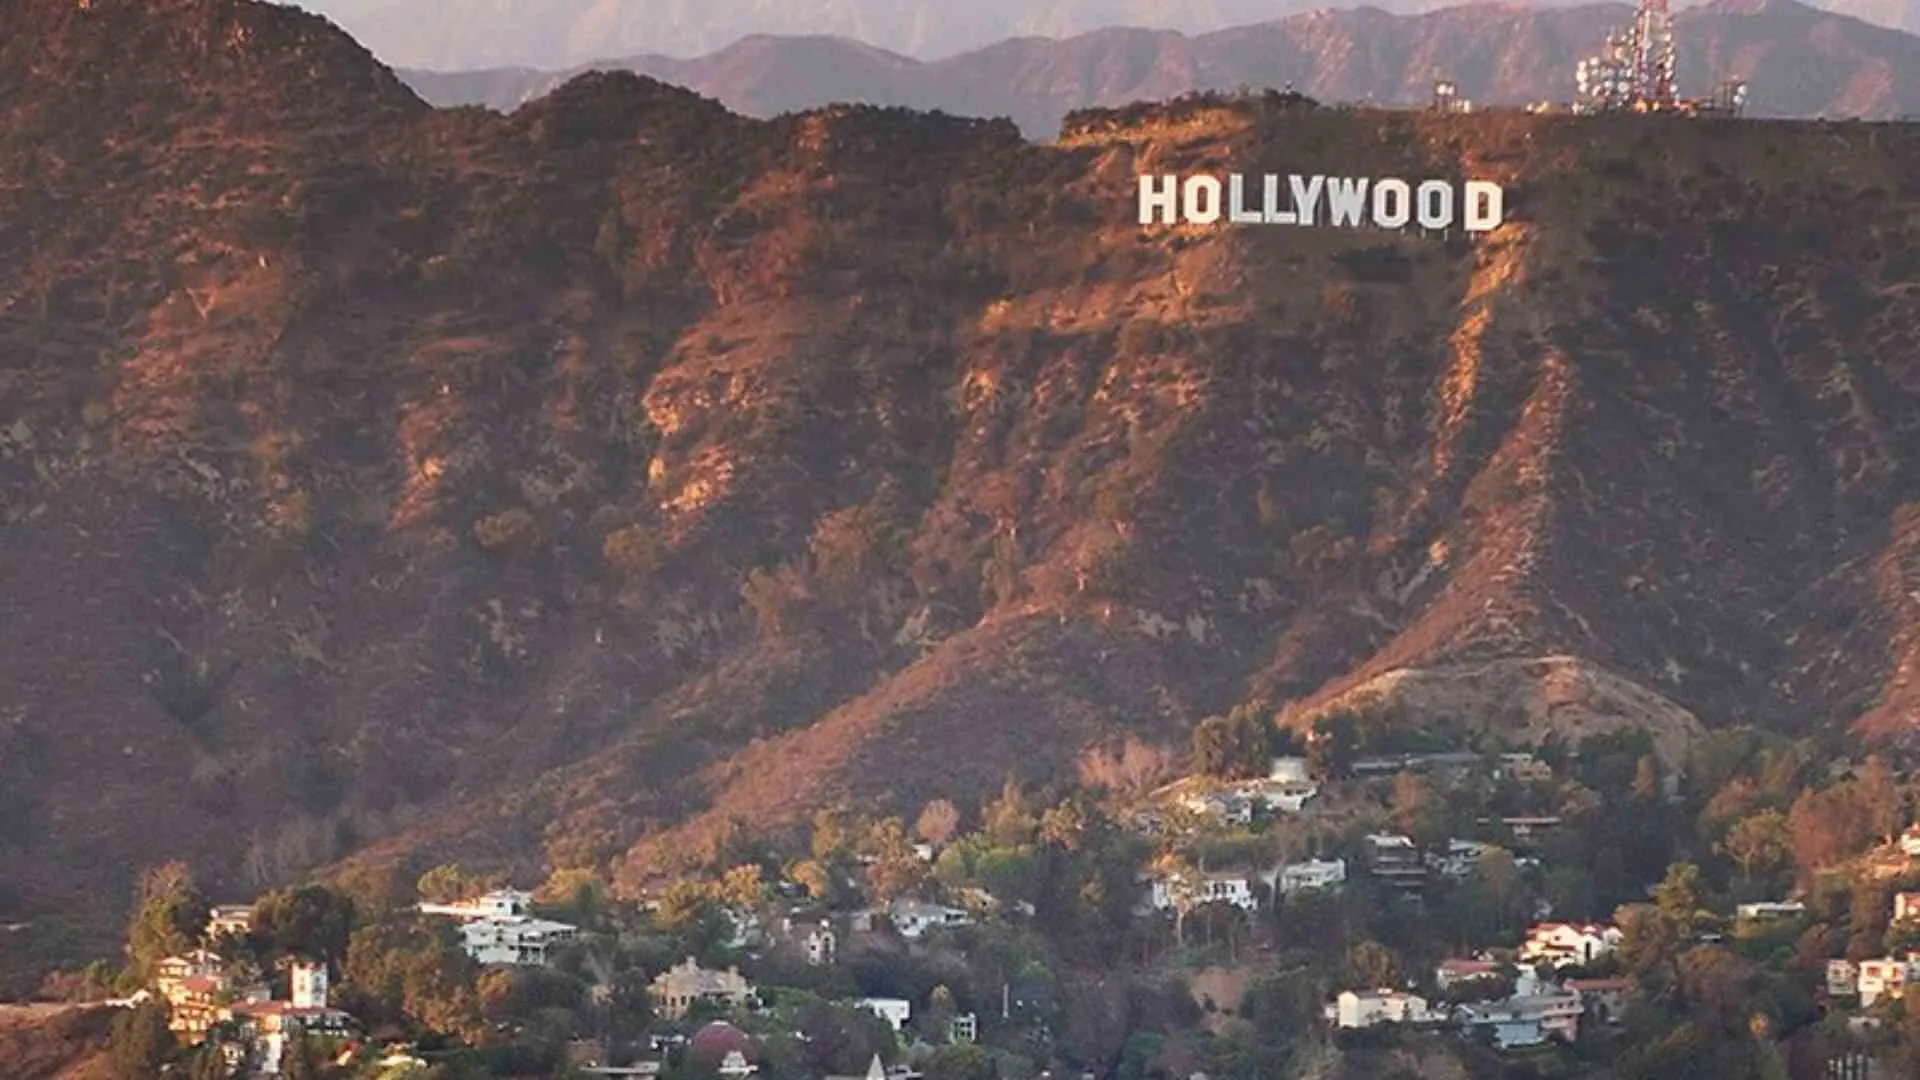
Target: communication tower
{"type": "Point", "coordinates": [1635, 70]}
{"type": "Point", "coordinates": [1447, 99]}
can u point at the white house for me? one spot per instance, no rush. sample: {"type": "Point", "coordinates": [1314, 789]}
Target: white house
{"type": "Point", "coordinates": [1910, 841]}
{"type": "Point", "coordinates": [1886, 977]}
{"type": "Point", "coordinates": [1452, 973]}
{"type": "Point", "coordinates": [1313, 874]}
{"type": "Point", "coordinates": [516, 939]}
{"type": "Point", "coordinates": [1565, 944]}
{"type": "Point", "coordinates": [1460, 860]}
{"type": "Point", "coordinates": [895, 1011]}
{"type": "Point", "coordinates": [1843, 978]}
{"type": "Point", "coordinates": [1906, 906]}
{"type": "Point", "coordinates": [498, 904]}
{"type": "Point", "coordinates": [821, 945]}
{"type": "Point", "coordinates": [1289, 770]}
{"type": "Point", "coordinates": [1212, 888]}
{"type": "Point", "coordinates": [234, 919]}
{"type": "Point", "coordinates": [309, 985]}
{"type": "Point", "coordinates": [914, 918]}
{"type": "Point", "coordinates": [1768, 911]}
{"type": "Point", "coordinates": [1537, 1011]}
{"type": "Point", "coordinates": [1354, 1009]}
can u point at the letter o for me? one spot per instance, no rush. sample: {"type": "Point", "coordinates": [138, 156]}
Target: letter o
{"type": "Point", "coordinates": [1434, 205]}
{"type": "Point", "coordinates": [1392, 203]}
{"type": "Point", "coordinates": [1202, 198]}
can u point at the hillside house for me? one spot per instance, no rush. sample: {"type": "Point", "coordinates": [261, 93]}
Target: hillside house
{"type": "Point", "coordinates": [1769, 911]}
{"type": "Point", "coordinates": [1906, 906]}
{"type": "Point", "coordinates": [1229, 807]}
{"type": "Point", "coordinates": [1395, 860]}
{"type": "Point", "coordinates": [1522, 768]}
{"type": "Point", "coordinates": [1457, 972]}
{"type": "Point", "coordinates": [518, 939]}
{"type": "Point", "coordinates": [1279, 796]}
{"type": "Point", "coordinates": [913, 918]}
{"type": "Point", "coordinates": [677, 990]}
{"type": "Point", "coordinates": [270, 1027]}
{"type": "Point", "coordinates": [1567, 944]}
{"type": "Point", "coordinates": [1536, 1012]}
{"type": "Point", "coordinates": [817, 942]}
{"type": "Point", "coordinates": [1910, 841]}
{"type": "Point", "coordinates": [1843, 978]}
{"type": "Point", "coordinates": [895, 1011]}
{"type": "Point", "coordinates": [1887, 977]}
{"type": "Point", "coordinates": [964, 1028]}
{"type": "Point", "coordinates": [1290, 770]}
{"type": "Point", "coordinates": [230, 919]}
{"type": "Point", "coordinates": [1313, 874]}
{"type": "Point", "coordinates": [1358, 1009]}
{"type": "Point", "coordinates": [1459, 860]}
{"type": "Point", "coordinates": [1604, 1000]}
{"type": "Point", "coordinates": [1223, 887]}
{"type": "Point", "coordinates": [497, 904]}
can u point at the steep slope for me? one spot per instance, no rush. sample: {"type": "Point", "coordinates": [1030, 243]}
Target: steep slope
{"type": "Point", "coordinates": [556, 34]}
{"type": "Point", "coordinates": [1801, 63]}
{"type": "Point", "coordinates": [553, 489]}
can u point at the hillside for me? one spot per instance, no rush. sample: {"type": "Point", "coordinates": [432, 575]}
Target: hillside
{"type": "Point", "coordinates": [556, 34]}
{"type": "Point", "coordinates": [1800, 62]}
{"type": "Point", "coordinates": [390, 483]}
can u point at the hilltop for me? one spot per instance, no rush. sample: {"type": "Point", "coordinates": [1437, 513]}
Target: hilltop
{"type": "Point", "coordinates": [565, 488]}
{"type": "Point", "coordinates": [1800, 62]}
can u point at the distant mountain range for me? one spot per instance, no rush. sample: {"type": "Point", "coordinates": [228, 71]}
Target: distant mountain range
{"type": "Point", "coordinates": [1801, 62]}
{"type": "Point", "coordinates": [457, 35]}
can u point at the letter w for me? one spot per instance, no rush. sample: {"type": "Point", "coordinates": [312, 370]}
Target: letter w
{"type": "Point", "coordinates": [1346, 199]}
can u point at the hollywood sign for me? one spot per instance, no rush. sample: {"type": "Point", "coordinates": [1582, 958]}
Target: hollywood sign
{"type": "Point", "coordinates": [1476, 206]}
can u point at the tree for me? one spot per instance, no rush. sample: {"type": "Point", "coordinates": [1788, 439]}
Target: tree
{"type": "Point", "coordinates": [1333, 745]}
{"type": "Point", "coordinates": [139, 1043]}
{"type": "Point", "coordinates": [312, 922]}
{"type": "Point", "coordinates": [170, 917]}
{"type": "Point", "coordinates": [939, 822]}
{"type": "Point", "coordinates": [962, 1062]}
{"type": "Point", "coordinates": [1236, 746]}
{"type": "Point", "coordinates": [1371, 964]}
{"type": "Point", "coordinates": [895, 868]}
{"type": "Point", "coordinates": [1681, 895]}
{"type": "Point", "coordinates": [1760, 845]}
{"type": "Point", "coordinates": [446, 884]}
{"type": "Point", "coordinates": [1418, 810]}
{"type": "Point", "coordinates": [1009, 819]}
{"type": "Point", "coordinates": [1881, 800]}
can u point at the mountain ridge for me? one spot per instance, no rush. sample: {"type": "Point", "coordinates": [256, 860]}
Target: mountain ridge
{"type": "Point", "coordinates": [561, 34]}
{"type": "Point", "coordinates": [1799, 62]}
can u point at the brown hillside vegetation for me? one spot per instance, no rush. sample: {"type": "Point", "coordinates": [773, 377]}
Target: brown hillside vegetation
{"type": "Point", "coordinates": [560, 488]}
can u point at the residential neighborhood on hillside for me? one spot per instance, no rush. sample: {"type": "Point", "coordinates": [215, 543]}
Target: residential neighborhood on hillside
{"type": "Point", "coordinates": [1412, 909]}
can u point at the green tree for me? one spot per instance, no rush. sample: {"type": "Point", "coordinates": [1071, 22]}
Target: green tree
{"type": "Point", "coordinates": [139, 1043]}
{"type": "Point", "coordinates": [1010, 818]}
{"type": "Point", "coordinates": [446, 884]}
{"type": "Point", "coordinates": [1236, 746]}
{"type": "Point", "coordinates": [170, 917]}
{"type": "Point", "coordinates": [1760, 845]}
{"type": "Point", "coordinates": [311, 922]}
{"type": "Point", "coordinates": [1371, 964]}
{"type": "Point", "coordinates": [962, 1062]}
{"type": "Point", "coordinates": [1681, 897]}
{"type": "Point", "coordinates": [1333, 745]}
